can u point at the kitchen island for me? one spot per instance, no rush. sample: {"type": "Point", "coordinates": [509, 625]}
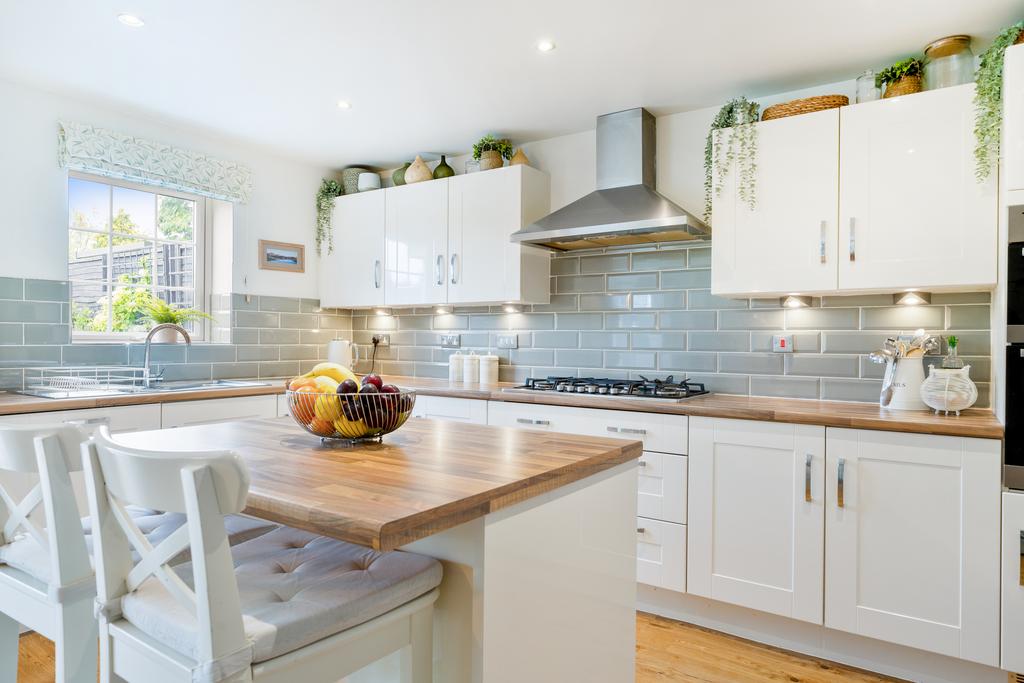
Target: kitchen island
{"type": "Point", "coordinates": [534, 529]}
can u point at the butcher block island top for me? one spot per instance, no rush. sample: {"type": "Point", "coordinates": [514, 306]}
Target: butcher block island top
{"type": "Point", "coordinates": [424, 478]}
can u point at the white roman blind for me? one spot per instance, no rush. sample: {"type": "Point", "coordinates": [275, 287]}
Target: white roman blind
{"type": "Point", "coordinates": [87, 148]}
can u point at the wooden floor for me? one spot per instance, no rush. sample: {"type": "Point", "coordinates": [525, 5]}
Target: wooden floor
{"type": "Point", "coordinates": [666, 651]}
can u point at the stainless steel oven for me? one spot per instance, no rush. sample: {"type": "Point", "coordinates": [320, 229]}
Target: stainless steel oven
{"type": "Point", "coordinates": [1014, 439]}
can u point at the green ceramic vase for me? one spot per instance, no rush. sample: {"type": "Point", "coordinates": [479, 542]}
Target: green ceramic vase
{"type": "Point", "coordinates": [398, 177]}
{"type": "Point", "coordinates": [443, 170]}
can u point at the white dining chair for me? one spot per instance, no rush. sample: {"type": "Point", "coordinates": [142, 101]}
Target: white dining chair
{"type": "Point", "coordinates": [287, 606]}
{"type": "Point", "coordinates": [46, 576]}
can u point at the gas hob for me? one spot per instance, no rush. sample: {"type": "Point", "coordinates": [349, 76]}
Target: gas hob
{"type": "Point", "coordinates": [667, 389]}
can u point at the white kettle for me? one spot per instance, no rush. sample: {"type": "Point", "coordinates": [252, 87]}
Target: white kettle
{"type": "Point", "coordinates": [343, 352]}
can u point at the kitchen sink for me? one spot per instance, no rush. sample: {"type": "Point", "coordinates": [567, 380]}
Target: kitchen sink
{"type": "Point", "coordinates": [86, 391]}
{"type": "Point", "coordinates": [164, 387]}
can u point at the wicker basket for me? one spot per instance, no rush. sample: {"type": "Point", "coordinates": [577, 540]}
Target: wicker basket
{"type": "Point", "coordinates": [804, 106]}
{"type": "Point", "coordinates": [908, 85]}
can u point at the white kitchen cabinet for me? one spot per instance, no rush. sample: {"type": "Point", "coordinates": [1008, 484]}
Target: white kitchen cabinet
{"type": "Point", "coordinates": [416, 247]}
{"type": "Point", "coordinates": [911, 213]}
{"type": "Point", "coordinates": [353, 275]}
{"type": "Point", "coordinates": [484, 265]}
{"type": "Point", "coordinates": [912, 552]}
{"type": "Point", "coordinates": [118, 418]}
{"type": "Point", "coordinates": [1013, 581]}
{"type": "Point", "coordinates": [209, 411]}
{"type": "Point", "coordinates": [661, 554]}
{"type": "Point", "coordinates": [453, 409]}
{"type": "Point", "coordinates": [756, 515]}
{"type": "Point", "coordinates": [787, 242]}
{"type": "Point", "coordinates": [1013, 118]}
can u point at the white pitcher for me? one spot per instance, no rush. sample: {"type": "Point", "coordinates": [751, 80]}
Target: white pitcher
{"type": "Point", "coordinates": [343, 352]}
{"type": "Point", "coordinates": [906, 385]}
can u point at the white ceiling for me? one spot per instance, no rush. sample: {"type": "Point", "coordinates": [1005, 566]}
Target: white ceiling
{"type": "Point", "coordinates": [433, 75]}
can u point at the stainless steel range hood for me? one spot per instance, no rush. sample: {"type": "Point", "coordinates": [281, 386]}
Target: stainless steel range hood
{"type": "Point", "coordinates": [625, 209]}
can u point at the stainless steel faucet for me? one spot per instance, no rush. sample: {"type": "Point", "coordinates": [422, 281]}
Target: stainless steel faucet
{"type": "Point", "coordinates": [149, 340]}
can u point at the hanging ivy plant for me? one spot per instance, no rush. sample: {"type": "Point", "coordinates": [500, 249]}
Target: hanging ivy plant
{"type": "Point", "coordinates": [329, 189]}
{"type": "Point", "coordinates": [739, 147]}
{"type": "Point", "coordinates": [988, 101]}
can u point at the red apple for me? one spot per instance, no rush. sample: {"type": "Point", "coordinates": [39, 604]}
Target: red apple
{"type": "Point", "coordinates": [373, 379]}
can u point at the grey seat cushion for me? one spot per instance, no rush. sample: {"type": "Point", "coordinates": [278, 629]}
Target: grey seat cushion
{"type": "Point", "coordinates": [296, 588]}
{"type": "Point", "coordinates": [27, 555]}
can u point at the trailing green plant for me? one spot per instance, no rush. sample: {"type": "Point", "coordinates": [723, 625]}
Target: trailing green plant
{"type": "Point", "coordinates": [988, 101]}
{"type": "Point", "coordinates": [329, 189]}
{"type": "Point", "coordinates": [159, 311]}
{"type": "Point", "coordinates": [490, 143]}
{"type": "Point", "coordinates": [912, 66]}
{"type": "Point", "coordinates": [740, 149]}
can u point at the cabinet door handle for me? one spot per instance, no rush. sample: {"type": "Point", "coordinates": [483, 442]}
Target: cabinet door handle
{"type": "Point", "coordinates": [528, 421]}
{"type": "Point", "coordinates": [89, 421]}
{"type": "Point", "coordinates": [821, 241]}
{"type": "Point", "coordinates": [840, 481]}
{"type": "Point", "coordinates": [626, 430]}
{"type": "Point", "coordinates": [641, 530]}
{"type": "Point", "coordinates": [454, 267]}
{"type": "Point", "coordinates": [438, 268]}
{"type": "Point", "coordinates": [1021, 557]}
{"type": "Point", "coordinates": [807, 478]}
{"type": "Point", "coordinates": [642, 463]}
{"type": "Point", "coordinates": [376, 274]}
{"type": "Point", "coordinates": [853, 239]}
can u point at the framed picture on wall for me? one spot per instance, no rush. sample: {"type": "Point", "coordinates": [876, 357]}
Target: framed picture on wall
{"type": "Point", "coordinates": [282, 256]}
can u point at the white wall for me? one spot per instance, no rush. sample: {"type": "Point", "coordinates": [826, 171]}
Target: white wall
{"type": "Point", "coordinates": [33, 190]}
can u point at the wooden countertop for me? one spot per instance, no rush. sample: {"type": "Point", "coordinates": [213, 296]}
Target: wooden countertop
{"type": "Point", "coordinates": [976, 422]}
{"type": "Point", "coordinates": [426, 477]}
{"type": "Point", "coordinates": [15, 404]}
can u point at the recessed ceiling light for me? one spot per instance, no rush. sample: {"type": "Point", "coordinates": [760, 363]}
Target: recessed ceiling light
{"type": "Point", "coordinates": [344, 104]}
{"type": "Point", "coordinates": [130, 20]}
{"type": "Point", "coordinates": [545, 45]}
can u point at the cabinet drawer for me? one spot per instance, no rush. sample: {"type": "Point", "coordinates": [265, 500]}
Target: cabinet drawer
{"type": "Point", "coordinates": [661, 433]}
{"type": "Point", "coordinates": [447, 408]}
{"type": "Point", "coordinates": [1013, 581]}
{"type": "Point", "coordinates": [533, 416]}
{"type": "Point", "coordinates": [661, 554]}
{"type": "Point", "coordinates": [661, 487]}
{"type": "Point", "coordinates": [186, 413]}
{"type": "Point", "coordinates": [117, 419]}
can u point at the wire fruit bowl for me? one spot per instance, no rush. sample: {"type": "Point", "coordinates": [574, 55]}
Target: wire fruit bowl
{"type": "Point", "coordinates": [353, 418]}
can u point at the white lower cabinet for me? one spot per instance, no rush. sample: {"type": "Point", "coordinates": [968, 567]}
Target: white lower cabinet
{"type": "Point", "coordinates": [448, 408]}
{"type": "Point", "coordinates": [661, 554]}
{"type": "Point", "coordinates": [1013, 581]}
{"type": "Point", "coordinates": [912, 540]}
{"type": "Point", "coordinates": [661, 487]}
{"type": "Point", "coordinates": [756, 515]}
{"type": "Point", "coordinates": [188, 413]}
{"type": "Point", "coordinates": [117, 419]}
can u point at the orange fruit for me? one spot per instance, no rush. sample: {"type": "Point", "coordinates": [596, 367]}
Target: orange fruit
{"type": "Point", "coordinates": [304, 403]}
{"type": "Point", "coordinates": [322, 427]}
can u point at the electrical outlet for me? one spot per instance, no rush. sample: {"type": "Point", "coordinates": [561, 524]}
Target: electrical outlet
{"type": "Point", "coordinates": [782, 343]}
{"type": "Point", "coordinates": [381, 340]}
{"type": "Point", "coordinates": [451, 341]}
{"type": "Point", "coordinates": [508, 341]}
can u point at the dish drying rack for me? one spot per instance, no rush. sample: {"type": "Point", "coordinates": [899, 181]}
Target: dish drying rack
{"type": "Point", "coordinates": [83, 381]}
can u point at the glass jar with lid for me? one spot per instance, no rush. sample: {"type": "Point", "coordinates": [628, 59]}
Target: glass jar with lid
{"type": "Point", "coordinates": [947, 62]}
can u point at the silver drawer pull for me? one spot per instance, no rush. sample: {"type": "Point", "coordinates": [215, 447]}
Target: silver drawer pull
{"type": "Point", "coordinates": [89, 421]}
{"type": "Point", "coordinates": [641, 530]}
{"type": "Point", "coordinates": [840, 481]}
{"type": "Point", "coordinates": [528, 421]}
{"type": "Point", "coordinates": [626, 430]}
{"type": "Point", "coordinates": [643, 463]}
{"type": "Point", "coordinates": [807, 478]}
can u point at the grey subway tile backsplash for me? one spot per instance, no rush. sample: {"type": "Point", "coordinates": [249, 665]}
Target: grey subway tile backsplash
{"type": "Point", "coordinates": [621, 313]}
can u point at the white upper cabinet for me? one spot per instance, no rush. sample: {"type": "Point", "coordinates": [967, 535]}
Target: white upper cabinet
{"type": "Point", "coordinates": [879, 196]}
{"type": "Point", "coordinates": [756, 515]}
{"type": "Point", "coordinates": [353, 275]}
{"type": "Point", "coordinates": [911, 212]}
{"type": "Point", "coordinates": [787, 242]}
{"type": "Point", "coordinates": [1013, 118]}
{"type": "Point", "coordinates": [484, 209]}
{"type": "Point", "coordinates": [912, 551]}
{"type": "Point", "coordinates": [416, 247]}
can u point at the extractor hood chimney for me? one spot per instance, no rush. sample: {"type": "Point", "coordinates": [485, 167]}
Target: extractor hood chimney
{"type": "Point", "coordinates": [625, 209]}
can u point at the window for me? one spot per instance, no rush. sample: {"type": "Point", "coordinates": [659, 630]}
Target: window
{"type": "Point", "coordinates": [127, 246]}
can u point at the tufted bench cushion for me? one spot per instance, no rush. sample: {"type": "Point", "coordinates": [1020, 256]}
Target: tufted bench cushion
{"type": "Point", "coordinates": [25, 554]}
{"type": "Point", "coordinates": [296, 588]}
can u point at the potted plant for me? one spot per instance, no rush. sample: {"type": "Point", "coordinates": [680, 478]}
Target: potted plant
{"type": "Point", "coordinates": [329, 189]}
{"type": "Point", "coordinates": [492, 152]}
{"type": "Point", "coordinates": [739, 146]}
{"type": "Point", "coordinates": [988, 100]}
{"type": "Point", "coordinates": [159, 312]}
{"type": "Point", "coordinates": [902, 78]}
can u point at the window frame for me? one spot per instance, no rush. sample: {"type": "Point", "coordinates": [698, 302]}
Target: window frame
{"type": "Point", "coordinates": [200, 262]}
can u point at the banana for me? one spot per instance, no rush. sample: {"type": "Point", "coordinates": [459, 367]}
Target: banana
{"type": "Point", "coordinates": [339, 373]}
